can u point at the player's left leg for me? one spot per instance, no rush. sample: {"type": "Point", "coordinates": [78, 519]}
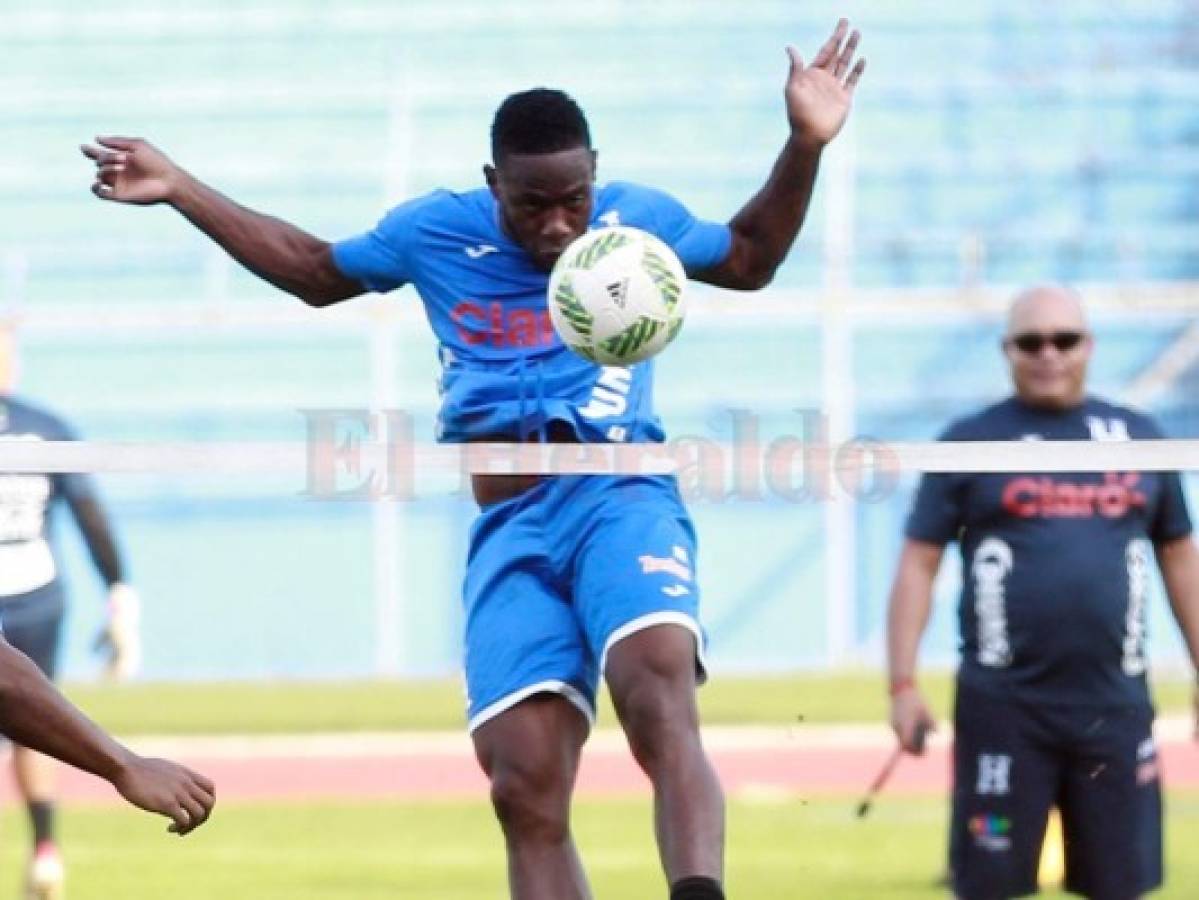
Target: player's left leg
{"type": "Point", "coordinates": [37, 780]}
{"type": "Point", "coordinates": [33, 624]}
{"type": "Point", "coordinates": [637, 600]}
{"type": "Point", "coordinates": [651, 674]}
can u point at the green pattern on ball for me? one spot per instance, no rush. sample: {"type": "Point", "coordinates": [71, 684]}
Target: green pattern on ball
{"type": "Point", "coordinates": [572, 309]}
{"type": "Point", "coordinates": [663, 277]}
{"type": "Point", "coordinates": [632, 339]}
{"type": "Point", "coordinates": [675, 327]}
{"type": "Point", "coordinates": [597, 250]}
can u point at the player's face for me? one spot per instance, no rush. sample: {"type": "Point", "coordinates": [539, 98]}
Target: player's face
{"type": "Point", "coordinates": [544, 199]}
{"type": "Point", "coordinates": [1048, 348]}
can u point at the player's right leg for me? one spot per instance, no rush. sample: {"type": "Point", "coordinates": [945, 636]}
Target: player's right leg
{"type": "Point", "coordinates": [33, 623]}
{"type": "Point", "coordinates": [1007, 774]}
{"type": "Point", "coordinates": [531, 696]}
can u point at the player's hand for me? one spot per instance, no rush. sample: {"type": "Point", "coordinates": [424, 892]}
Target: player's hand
{"type": "Point", "coordinates": [131, 170]}
{"type": "Point", "coordinates": [121, 637]}
{"type": "Point", "coordinates": [161, 786]}
{"type": "Point", "coordinates": [910, 719]}
{"type": "Point", "coordinates": [819, 95]}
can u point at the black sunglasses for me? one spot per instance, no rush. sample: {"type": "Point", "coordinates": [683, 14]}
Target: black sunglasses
{"type": "Point", "coordinates": [1032, 342]}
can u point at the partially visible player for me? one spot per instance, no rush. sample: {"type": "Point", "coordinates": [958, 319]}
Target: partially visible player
{"type": "Point", "coordinates": [569, 579]}
{"type": "Point", "coordinates": [1052, 701]}
{"type": "Point", "coordinates": [32, 602]}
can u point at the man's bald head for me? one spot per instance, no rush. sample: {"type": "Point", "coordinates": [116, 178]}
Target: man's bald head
{"type": "Point", "coordinates": [1046, 307]}
{"type": "Point", "coordinates": [1048, 346]}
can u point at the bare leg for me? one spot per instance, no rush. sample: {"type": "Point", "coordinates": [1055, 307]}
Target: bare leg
{"type": "Point", "coordinates": [651, 674]}
{"type": "Point", "coordinates": [531, 755]}
{"type": "Point", "coordinates": [36, 775]}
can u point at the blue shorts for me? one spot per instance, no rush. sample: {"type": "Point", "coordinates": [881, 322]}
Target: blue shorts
{"type": "Point", "coordinates": [558, 574]}
{"type": "Point", "coordinates": [1014, 761]}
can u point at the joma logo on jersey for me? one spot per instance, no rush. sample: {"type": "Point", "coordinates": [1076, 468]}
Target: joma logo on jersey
{"type": "Point", "coordinates": [1048, 498]}
{"type": "Point", "coordinates": [500, 327]}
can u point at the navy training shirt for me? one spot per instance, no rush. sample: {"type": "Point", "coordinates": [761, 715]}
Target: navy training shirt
{"type": "Point", "coordinates": [27, 501]}
{"type": "Point", "coordinates": [1055, 567]}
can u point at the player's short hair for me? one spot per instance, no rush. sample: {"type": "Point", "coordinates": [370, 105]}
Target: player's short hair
{"type": "Point", "coordinates": [541, 120]}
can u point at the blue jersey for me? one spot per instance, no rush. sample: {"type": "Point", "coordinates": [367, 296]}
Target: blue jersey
{"type": "Point", "coordinates": [505, 373]}
{"type": "Point", "coordinates": [27, 501]}
{"type": "Point", "coordinates": [1055, 567]}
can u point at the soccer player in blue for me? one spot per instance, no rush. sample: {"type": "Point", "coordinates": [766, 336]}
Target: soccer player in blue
{"type": "Point", "coordinates": [568, 578]}
{"type": "Point", "coordinates": [1052, 703]}
{"type": "Point", "coordinates": [32, 599]}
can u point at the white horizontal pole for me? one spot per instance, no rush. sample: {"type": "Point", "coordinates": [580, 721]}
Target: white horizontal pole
{"type": "Point", "coordinates": [249, 458]}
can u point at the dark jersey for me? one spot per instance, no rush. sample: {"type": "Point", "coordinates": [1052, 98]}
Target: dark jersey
{"type": "Point", "coordinates": [1055, 567]}
{"type": "Point", "coordinates": [28, 501]}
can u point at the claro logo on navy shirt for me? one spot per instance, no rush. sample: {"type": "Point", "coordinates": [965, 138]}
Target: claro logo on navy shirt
{"type": "Point", "coordinates": [1030, 497]}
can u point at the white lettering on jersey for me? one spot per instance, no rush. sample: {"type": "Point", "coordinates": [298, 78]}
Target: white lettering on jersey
{"type": "Point", "coordinates": [992, 562]}
{"type": "Point", "coordinates": [610, 396]}
{"type": "Point", "coordinates": [611, 218]}
{"type": "Point", "coordinates": [23, 500]}
{"type": "Point", "coordinates": [994, 775]}
{"type": "Point", "coordinates": [25, 559]}
{"type": "Point", "coordinates": [480, 251]}
{"type": "Point", "coordinates": [676, 590]}
{"type": "Point", "coordinates": [1107, 429]}
{"type": "Point", "coordinates": [1136, 556]}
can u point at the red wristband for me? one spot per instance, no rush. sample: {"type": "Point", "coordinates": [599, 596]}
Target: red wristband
{"type": "Point", "coordinates": [901, 685]}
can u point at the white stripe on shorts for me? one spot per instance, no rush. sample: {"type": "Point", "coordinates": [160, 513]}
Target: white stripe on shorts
{"type": "Point", "coordinates": [505, 703]}
{"type": "Point", "coordinates": [664, 617]}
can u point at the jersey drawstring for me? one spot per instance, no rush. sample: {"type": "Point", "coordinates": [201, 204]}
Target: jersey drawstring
{"type": "Point", "coordinates": [521, 429]}
{"type": "Point", "coordinates": [541, 416]}
{"type": "Point", "coordinates": [537, 400]}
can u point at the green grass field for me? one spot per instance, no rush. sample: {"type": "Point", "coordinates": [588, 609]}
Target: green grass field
{"type": "Point", "coordinates": [306, 707]}
{"type": "Point", "coordinates": [451, 851]}
{"type": "Point", "coordinates": [779, 848]}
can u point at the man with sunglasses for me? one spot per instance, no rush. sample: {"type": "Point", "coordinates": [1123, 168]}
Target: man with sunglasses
{"type": "Point", "coordinates": [1052, 705]}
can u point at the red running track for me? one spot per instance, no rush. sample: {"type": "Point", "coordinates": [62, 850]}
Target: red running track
{"type": "Point", "coordinates": [451, 772]}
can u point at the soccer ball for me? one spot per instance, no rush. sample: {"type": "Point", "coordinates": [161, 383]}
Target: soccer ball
{"type": "Point", "coordinates": [617, 296]}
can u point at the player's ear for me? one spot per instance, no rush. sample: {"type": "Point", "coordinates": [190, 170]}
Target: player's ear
{"type": "Point", "coordinates": [594, 163]}
{"type": "Point", "coordinates": [491, 176]}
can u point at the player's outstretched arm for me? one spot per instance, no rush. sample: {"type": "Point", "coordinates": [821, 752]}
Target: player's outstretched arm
{"type": "Point", "coordinates": [818, 98]}
{"type": "Point", "coordinates": [120, 638]}
{"type": "Point", "coordinates": [131, 170]}
{"type": "Point", "coordinates": [33, 713]}
{"type": "Point", "coordinates": [907, 617]}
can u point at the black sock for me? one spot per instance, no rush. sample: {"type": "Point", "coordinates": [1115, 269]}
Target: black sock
{"type": "Point", "coordinates": [696, 888]}
{"type": "Point", "coordinates": [41, 814]}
